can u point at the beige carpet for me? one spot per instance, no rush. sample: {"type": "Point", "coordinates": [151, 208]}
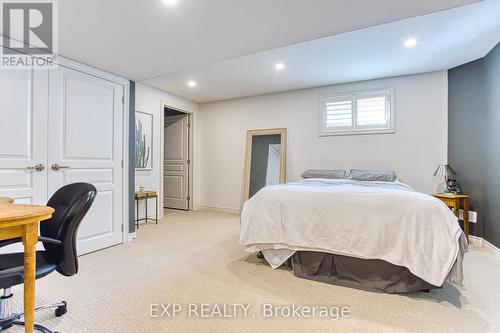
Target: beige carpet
{"type": "Point", "coordinates": [195, 258]}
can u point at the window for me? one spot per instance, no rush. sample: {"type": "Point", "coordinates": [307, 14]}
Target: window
{"type": "Point", "coordinates": [358, 113]}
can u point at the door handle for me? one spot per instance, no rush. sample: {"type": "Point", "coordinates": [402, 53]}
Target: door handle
{"type": "Point", "coordinates": [57, 167]}
{"type": "Point", "coordinates": [38, 167]}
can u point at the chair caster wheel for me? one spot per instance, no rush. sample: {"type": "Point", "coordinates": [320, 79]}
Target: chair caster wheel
{"type": "Point", "coordinates": [62, 309]}
{"type": "Point", "coordinates": [260, 255]}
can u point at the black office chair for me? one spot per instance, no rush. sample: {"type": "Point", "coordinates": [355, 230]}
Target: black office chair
{"type": "Point", "coordinates": [58, 236]}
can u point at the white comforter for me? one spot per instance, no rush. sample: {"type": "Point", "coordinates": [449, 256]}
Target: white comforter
{"type": "Point", "coordinates": [369, 220]}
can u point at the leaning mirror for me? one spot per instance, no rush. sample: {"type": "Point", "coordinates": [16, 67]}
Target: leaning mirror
{"type": "Point", "coordinates": [265, 162]}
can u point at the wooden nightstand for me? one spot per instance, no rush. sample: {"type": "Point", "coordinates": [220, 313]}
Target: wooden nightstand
{"type": "Point", "coordinates": [457, 202]}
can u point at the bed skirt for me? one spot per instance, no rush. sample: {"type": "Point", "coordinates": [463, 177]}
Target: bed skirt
{"type": "Point", "coordinates": [366, 274]}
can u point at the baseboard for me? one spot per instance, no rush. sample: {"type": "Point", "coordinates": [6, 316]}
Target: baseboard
{"type": "Point", "coordinates": [491, 247]}
{"type": "Point", "coordinates": [219, 209]}
{"type": "Point", "coordinates": [476, 241]}
{"type": "Point", "coordinates": [132, 236]}
{"type": "Point", "coordinates": [481, 242]}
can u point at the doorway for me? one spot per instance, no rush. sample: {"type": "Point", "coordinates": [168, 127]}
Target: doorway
{"type": "Point", "coordinates": [177, 178]}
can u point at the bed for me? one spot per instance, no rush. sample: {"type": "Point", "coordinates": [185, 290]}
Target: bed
{"type": "Point", "coordinates": [372, 235]}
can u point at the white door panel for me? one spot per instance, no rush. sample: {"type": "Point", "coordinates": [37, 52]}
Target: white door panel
{"type": "Point", "coordinates": [175, 164]}
{"type": "Point", "coordinates": [89, 101]}
{"type": "Point", "coordinates": [23, 137]}
{"type": "Point", "coordinates": [85, 140]}
{"type": "Point", "coordinates": [23, 134]}
{"type": "Point", "coordinates": [88, 231]}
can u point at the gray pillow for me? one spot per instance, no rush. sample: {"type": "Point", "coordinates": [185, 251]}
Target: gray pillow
{"type": "Point", "coordinates": [322, 173]}
{"type": "Point", "coordinates": [372, 175]}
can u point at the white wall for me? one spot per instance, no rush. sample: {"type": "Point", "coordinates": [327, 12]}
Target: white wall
{"type": "Point", "coordinates": [150, 100]}
{"type": "Point", "coordinates": [419, 144]}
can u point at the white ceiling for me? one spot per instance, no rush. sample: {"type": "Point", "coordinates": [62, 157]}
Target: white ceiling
{"type": "Point", "coordinates": [445, 39]}
{"type": "Point", "coordinates": [140, 39]}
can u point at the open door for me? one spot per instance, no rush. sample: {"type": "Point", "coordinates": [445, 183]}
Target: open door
{"type": "Point", "coordinates": [176, 162]}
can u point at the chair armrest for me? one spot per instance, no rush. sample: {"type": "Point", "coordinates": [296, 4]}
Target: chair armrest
{"type": "Point", "coordinates": [10, 241]}
{"type": "Point", "coordinates": [49, 240]}
{"type": "Point", "coordinates": [19, 240]}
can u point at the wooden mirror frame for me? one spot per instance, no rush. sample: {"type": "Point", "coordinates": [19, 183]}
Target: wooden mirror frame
{"type": "Point", "coordinates": [248, 156]}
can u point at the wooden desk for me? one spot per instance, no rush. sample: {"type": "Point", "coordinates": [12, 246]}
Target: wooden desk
{"type": "Point", "coordinates": [4, 200]}
{"type": "Point", "coordinates": [457, 202]}
{"type": "Point", "coordinates": [22, 221]}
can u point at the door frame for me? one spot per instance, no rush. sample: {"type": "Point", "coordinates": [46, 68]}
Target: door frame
{"type": "Point", "coordinates": [190, 153]}
{"type": "Point", "coordinates": [64, 62]}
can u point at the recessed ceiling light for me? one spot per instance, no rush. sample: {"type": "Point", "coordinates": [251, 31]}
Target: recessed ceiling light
{"type": "Point", "coordinates": [279, 66]}
{"type": "Point", "coordinates": [410, 42]}
{"type": "Point", "coordinates": [170, 2]}
{"type": "Point", "coordinates": [192, 83]}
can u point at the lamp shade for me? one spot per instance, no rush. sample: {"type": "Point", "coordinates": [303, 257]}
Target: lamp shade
{"type": "Point", "coordinates": [444, 170]}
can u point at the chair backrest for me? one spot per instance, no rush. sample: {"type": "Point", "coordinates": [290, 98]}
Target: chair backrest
{"type": "Point", "coordinates": [71, 203]}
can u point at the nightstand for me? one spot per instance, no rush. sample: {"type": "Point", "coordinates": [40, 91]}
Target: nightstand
{"type": "Point", "coordinates": [457, 202]}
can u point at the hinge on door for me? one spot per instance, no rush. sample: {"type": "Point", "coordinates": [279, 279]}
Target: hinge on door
{"type": "Point", "coordinates": [122, 227]}
{"type": "Point", "coordinates": [188, 161]}
{"type": "Point", "coordinates": [123, 99]}
{"type": "Point", "coordinates": [188, 197]}
{"type": "Point", "coordinates": [189, 124]}
{"type": "Point", "coordinates": [122, 163]}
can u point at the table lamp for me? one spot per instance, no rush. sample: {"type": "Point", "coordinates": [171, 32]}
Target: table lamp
{"type": "Point", "coordinates": [446, 171]}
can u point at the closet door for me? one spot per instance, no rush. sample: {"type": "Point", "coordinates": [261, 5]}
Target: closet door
{"type": "Point", "coordinates": [85, 145]}
{"type": "Point", "coordinates": [23, 135]}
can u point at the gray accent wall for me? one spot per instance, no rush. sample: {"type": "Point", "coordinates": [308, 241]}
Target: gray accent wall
{"type": "Point", "coordinates": [131, 158]}
{"type": "Point", "coordinates": [474, 138]}
{"type": "Point", "coordinates": [491, 201]}
{"type": "Point", "coordinates": [466, 108]}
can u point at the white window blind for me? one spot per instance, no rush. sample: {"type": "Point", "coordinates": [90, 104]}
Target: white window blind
{"type": "Point", "coordinates": [338, 113]}
{"type": "Point", "coordinates": [361, 113]}
{"type": "Point", "coordinates": [372, 111]}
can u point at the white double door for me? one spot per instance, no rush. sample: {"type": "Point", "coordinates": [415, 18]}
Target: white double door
{"type": "Point", "coordinates": [62, 126]}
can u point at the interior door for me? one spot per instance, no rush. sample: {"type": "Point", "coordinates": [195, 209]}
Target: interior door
{"type": "Point", "coordinates": [23, 135]}
{"type": "Point", "coordinates": [85, 145]}
{"type": "Point", "coordinates": [176, 163]}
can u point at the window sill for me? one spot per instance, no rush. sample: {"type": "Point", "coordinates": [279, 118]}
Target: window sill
{"type": "Point", "coordinates": [359, 132]}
